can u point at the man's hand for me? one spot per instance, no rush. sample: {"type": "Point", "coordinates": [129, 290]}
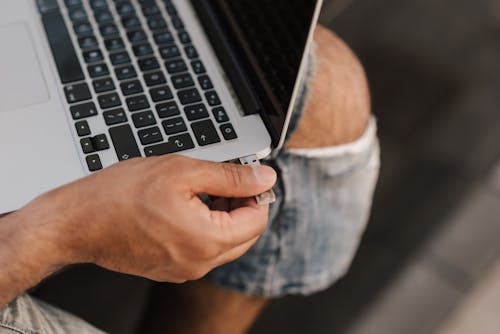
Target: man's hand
{"type": "Point", "coordinates": [141, 217]}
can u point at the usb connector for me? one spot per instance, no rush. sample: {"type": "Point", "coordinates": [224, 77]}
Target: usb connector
{"type": "Point", "coordinates": [269, 196]}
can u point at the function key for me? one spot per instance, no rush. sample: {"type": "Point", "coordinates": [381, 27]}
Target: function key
{"type": "Point", "coordinates": [100, 142]}
{"type": "Point", "coordinates": [175, 144]}
{"type": "Point", "coordinates": [137, 103]}
{"type": "Point", "coordinates": [182, 81]}
{"type": "Point", "coordinates": [98, 70]}
{"type": "Point", "coordinates": [167, 109]}
{"type": "Point", "coordinates": [93, 56]}
{"type": "Point", "coordinates": [93, 163]}
{"type": "Point", "coordinates": [164, 37]}
{"type": "Point", "coordinates": [228, 132]}
{"type": "Point", "coordinates": [170, 51]}
{"type": "Point", "coordinates": [83, 28]}
{"type": "Point", "coordinates": [176, 66]}
{"type": "Point", "coordinates": [137, 36]}
{"type": "Point", "coordinates": [155, 78]}
{"type": "Point", "coordinates": [220, 115]}
{"type": "Point", "coordinates": [198, 67]}
{"type": "Point", "coordinates": [124, 142]}
{"type": "Point", "coordinates": [156, 23]}
{"type": "Point", "coordinates": [143, 119]}
{"type": "Point", "coordinates": [147, 64]}
{"type": "Point", "coordinates": [174, 125]}
{"type": "Point", "coordinates": [109, 30]}
{"type": "Point", "coordinates": [205, 133]}
{"type": "Point", "coordinates": [184, 37]}
{"type": "Point", "coordinates": [131, 87]}
{"type": "Point", "coordinates": [125, 72]}
{"type": "Point", "coordinates": [109, 101]}
{"type": "Point", "coordinates": [77, 93]}
{"type": "Point", "coordinates": [150, 136]}
{"type": "Point", "coordinates": [191, 52]}
{"type": "Point", "coordinates": [205, 82]}
{"type": "Point", "coordinates": [115, 116]}
{"type": "Point", "coordinates": [82, 128]}
{"type": "Point", "coordinates": [189, 96]}
{"type": "Point", "coordinates": [103, 16]}
{"type": "Point", "coordinates": [103, 85]}
{"type": "Point", "coordinates": [196, 112]}
{"type": "Point", "coordinates": [142, 50]}
{"type": "Point", "coordinates": [77, 13]}
{"type": "Point", "coordinates": [87, 42]}
{"type": "Point", "coordinates": [114, 44]}
{"type": "Point", "coordinates": [119, 58]}
{"type": "Point", "coordinates": [131, 22]}
{"type": "Point", "coordinates": [161, 94]}
{"type": "Point", "coordinates": [177, 22]}
{"type": "Point", "coordinates": [212, 98]}
{"type": "Point", "coordinates": [83, 110]}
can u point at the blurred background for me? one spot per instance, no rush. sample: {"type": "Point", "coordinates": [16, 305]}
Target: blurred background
{"type": "Point", "coordinates": [430, 258]}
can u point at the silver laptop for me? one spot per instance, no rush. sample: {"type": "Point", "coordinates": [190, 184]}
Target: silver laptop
{"type": "Point", "coordinates": [85, 84]}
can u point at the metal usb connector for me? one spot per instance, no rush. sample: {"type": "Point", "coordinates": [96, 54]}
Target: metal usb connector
{"type": "Point", "coordinates": [269, 196]}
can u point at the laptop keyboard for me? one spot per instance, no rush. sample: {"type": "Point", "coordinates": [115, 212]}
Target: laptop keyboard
{"type": "Point", "coordinates": [169, 103]}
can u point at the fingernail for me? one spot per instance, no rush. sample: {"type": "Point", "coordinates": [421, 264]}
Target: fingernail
{"type": "Point", "coordinates": [264, 175]}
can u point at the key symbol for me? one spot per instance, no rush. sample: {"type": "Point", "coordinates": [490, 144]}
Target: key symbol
{"type": "Point", "coordinates": [179, 143]}
{"type": "Point", "coordinates": [125, 157]}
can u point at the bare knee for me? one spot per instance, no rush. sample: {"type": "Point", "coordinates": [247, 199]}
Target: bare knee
{"type": "Point", "coordinates": [338, 108]}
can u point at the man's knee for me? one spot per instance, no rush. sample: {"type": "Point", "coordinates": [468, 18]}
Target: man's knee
{"type": "Point", "coordinates": [338, 108]}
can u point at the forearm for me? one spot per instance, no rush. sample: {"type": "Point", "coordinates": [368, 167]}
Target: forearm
{"type": "Point", "coordinates": [29, 251]}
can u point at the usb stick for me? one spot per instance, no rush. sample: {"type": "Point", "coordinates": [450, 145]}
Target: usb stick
{"type": "Point", "coordinates": [269, 196]}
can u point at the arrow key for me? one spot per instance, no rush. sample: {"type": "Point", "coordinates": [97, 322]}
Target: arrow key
{"type": "Point", "coordinates": [205, 133]}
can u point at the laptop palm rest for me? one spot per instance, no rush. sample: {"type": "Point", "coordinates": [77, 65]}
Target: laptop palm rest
{"type": "Point", "coordinates": [22, 82]}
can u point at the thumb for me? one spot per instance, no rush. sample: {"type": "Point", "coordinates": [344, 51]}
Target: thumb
{"type": "Point", "coordinates": [231, 180]}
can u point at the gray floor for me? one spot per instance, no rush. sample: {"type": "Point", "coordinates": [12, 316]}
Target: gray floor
{"type": "Point", "coordinates": [433, 69]}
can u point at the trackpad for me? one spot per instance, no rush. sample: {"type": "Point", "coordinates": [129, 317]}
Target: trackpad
{"type": "Point", "coordinates": [21, 80]}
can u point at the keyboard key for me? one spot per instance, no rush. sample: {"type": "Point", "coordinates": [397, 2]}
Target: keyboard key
{"type": "Point", "coordinates": [77, 93]}
{"type": "Point", "coordinates": [82, 28]}
{"type": "Point", "coordinates": [143, 119]}
{"type": "Point", "coordinates": [93, 56]}
{"type": "Point", "coordinates": [62, 48]}
{"type": "Point", "coordinates": [71, 3]}
{"type": "Point", "coordinates": [47, 6]}
{"type": "Point", "coordinates": [175, 66]}
{"type": "Point", "coordinates": [125, 9]}
{"type": "Point", "coordinates": [174, 125]}
{"type": "Point", "coordinates": [98, 4]}
{"type": "Point", "coordinates": [171, 10]}
{"type": "Point", "coordinates": [77, 14]}
{"type": "Point", "coordinates": [198, 67]}
{"type": "Point", "coordinates": [191, 52]}
{"type": "Point", "coordinates": [100, 142]}
{"type": "Point", "coordinates": [103, 16]}
{"type": "Point", "coordinates": [125, 72]}
{"type": "Point", "coordinates": [189, 96]}
{"type": "Point", "coordinates": [228, 132]}
{"type": "Point", "coordinates": [150, 9]}
{"type": "Point", "coordinates": [124, 142]}
{"type": "Point", "coordinates": [86, 42]}
{"type": "Point", "coordinates": [170, 51]}
{"type": "Point", "coordinates": [131, 22]}
{"type": "Point", "coordinates": [184, 37]}
{"type": "Point", "coordinates": [147, 64]}
{"type": "Point", "coordinates": [142, 50]}
{"type": "Point", "coordinates": [205, 82]}
{"type": "Point", "coordinates": [109, 101]}
{"type": "Point", "coordinates": [98, 70]}
{"type": "Point", "coordinates": [220, 115]}
{"type": "Point", "coordinates": [175, 144]}
{"type": "Point", "coordinates": [137, 36]}
{"type": "Point", "coordinates": [205, 133]}
{"type": "Point", "coordinates": [131, 87]}
{"type": "Point", "coordinates": [103, 85]}
{"type": "Point", "coordinates": [167, 109]}
{"type": "Point", "coordinates": [83, 111]}
{"type": "Point", "coordinates": [150, 136]}
{"type": "Point", "coordinates": [161, 94]}
{"type": "Point", "coordinates": [87, 145]}
{"type": "Point", "coordinates": [182, 81]}
{"type": "Point", "coordinates": [114, 44]}
{"type": "Point", "coordinates": [155, 78]}
{"type": "Point", "coordinates": [82, 128]}
{"type": "Point", "coordinates": [115, 116]}
{"type": "Point", "coordinates": [119, 58]}
{"type": "Point", "coordinates": [212, 98]}
{"type": "Point", "coordinates": [109, 30]}
{"type": "Point", "coordinates": [196, 112]}
{"type": "Point", "coordinates": [156, 23]}
{"type": "Point", "coordinates": [177, 22]}
{"type": "Point", "coordinates": [164, 37]}
{"type": "Point", "coordinates": [93, 163]}
{"type": "Point", "coordinates": [137, 103]}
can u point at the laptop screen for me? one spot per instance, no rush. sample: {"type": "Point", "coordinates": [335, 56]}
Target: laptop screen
{"type": "Point", "coordinates": [269, 38]}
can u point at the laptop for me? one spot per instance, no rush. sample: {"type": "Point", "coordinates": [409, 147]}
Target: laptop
{"type": "Point", "coordinates": [85, 84]}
